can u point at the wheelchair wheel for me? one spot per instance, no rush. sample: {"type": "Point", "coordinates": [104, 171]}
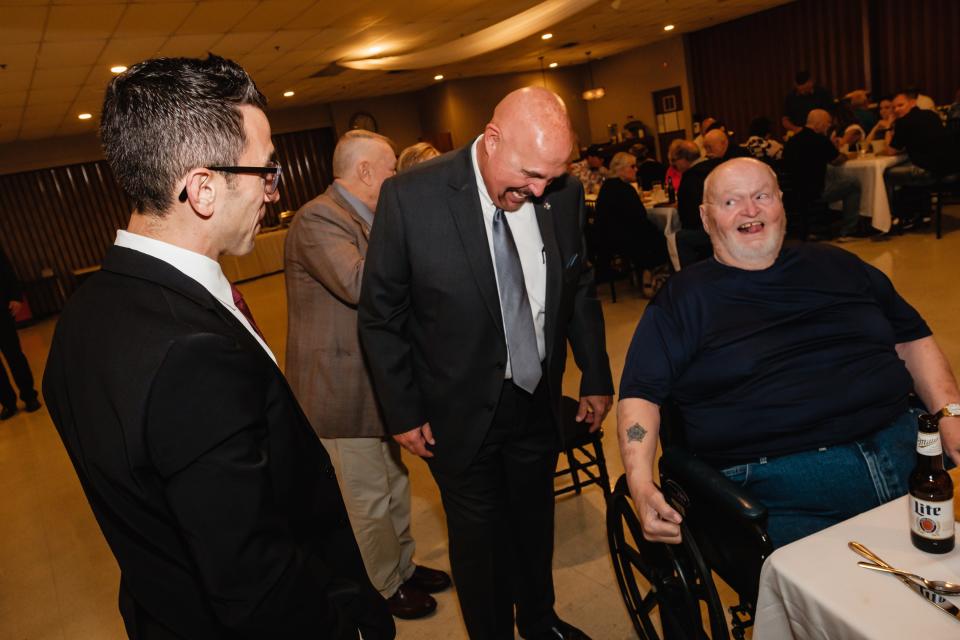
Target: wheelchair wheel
{"type": "Point", "coordinates": [659, 578]}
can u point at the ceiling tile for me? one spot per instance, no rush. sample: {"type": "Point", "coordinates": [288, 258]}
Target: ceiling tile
{"type": "Point", "coordinates": [237, 44]}
{"type": "Point", "coordinates": [345, 14]}
{"type": "Point", "coordinates": [128, 51]}
{"type": "Point", "coordinates": [60, 77]}
{"type": "Point", "coordinates": [12, 99]}
{"type": "Point", "coordinates": [287, 40]}
{"type": "Point", "coordinates": [215, 17]}
{"type": "Point", "coordinates": [47, 97]}
{"type": "Point", "coordinates": [194, 45]}
{"type": "Point", "coordinates": [152, 19]}
{"type": "Point", "coordinates": [15, 80]}
{"type": "Point", "coordinates": [273, 12]}
{"type": "Point", "coordinates": [9, 115]}
{"type": "Point", "coordinates": [18, 57]}
{"type": "Point", "coordinates": [68, 54]}
{"type": "Point", "coordinates": [22, 24]}
{"type": "Point", "coordinates": [70, 23]}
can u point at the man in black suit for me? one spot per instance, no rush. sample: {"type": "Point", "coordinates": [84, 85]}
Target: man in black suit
{"type": "Point", "coordinates": [11, 297]}
{"type": "Point", "coordinates": [217, 499]}
{"type": "Point", "coordinates": [474, 281]}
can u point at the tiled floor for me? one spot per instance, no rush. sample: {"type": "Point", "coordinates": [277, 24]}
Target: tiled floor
{"type": "Point", "coordinates": [58, 579]}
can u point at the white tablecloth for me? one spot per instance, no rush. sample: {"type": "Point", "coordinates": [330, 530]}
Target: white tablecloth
{"type": "Point", "coordinates": [667, 219]}
{"type": "Point", "coordinates": [873, 192]}
{"type": "Point", "coordinates": [266, 258]}
{"type": "Point", "coordinates": [813, 588]}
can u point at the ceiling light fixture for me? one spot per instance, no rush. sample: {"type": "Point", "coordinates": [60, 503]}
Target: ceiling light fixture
{"type": "Point", "coordinates": [553, 65]}
{"type": "Point", "coordinates": [289, 94]}
{"type": "Point", "coordinates": [546, 36]}
{"type": "Point", "coordinates": [669, 27]}
{"type": "Point", "coordinates": [439, 76]}
{"type": "Point", "coordinates": [594, 92]}
{"type": "Point", "coordinates": [85, 116]}
{"type": "Point", "coordinates": [504, 33]}
{"type": "Point", "coordinates": [118, 69]}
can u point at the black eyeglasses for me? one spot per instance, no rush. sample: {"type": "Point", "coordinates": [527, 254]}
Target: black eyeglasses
{"type": "Point", "coordinates": [271, 172]}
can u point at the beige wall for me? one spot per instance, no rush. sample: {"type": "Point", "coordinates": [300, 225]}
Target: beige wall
{"type": "Point", "coordinates": [463, 107]}
{"type": "Point", "coordinates": [397, 116]}
{"type": "Point", "coordinates": [28, 155]}
{"type": "Point", "coordinates": [630, 78]}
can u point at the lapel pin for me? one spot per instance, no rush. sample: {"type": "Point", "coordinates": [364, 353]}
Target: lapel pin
{"type": "Point", "coordinates": [546, 206]}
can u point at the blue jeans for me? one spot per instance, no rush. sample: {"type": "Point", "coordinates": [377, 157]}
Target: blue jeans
{"type": "Point", "coordinates": [837, 186]}
{"type": "Point", "coordinates": [812, 490]}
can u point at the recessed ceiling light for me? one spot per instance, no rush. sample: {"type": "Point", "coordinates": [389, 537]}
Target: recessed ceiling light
{"type": "Point", "coordinates": [439, 76]}
{"type": "Point", "coordinates": [546, 36]}
{"type": "Point", "coordinates": [289, 94]}
{"type": "Point", "coordinates": [553, 65]}
{"type": "Point", "coordinates": [669, 27]}
{"type": "Point", "coordinates": [85, 116]}
{"type": "Point", "coordinates": [118, 69]}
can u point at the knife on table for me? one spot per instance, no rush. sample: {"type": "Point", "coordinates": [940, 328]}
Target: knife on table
{"type": "Point", "coordinates": [933, 598]}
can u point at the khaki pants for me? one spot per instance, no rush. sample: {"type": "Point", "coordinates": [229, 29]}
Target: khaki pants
{"type": "Point", "coordinates": [376, 492]}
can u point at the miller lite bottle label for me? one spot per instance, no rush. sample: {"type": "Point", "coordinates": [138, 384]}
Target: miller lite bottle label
{"type": "Point", "coordinates": [931, 492]}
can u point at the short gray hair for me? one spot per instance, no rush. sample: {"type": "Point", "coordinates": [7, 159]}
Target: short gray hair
{"type": "Point", "coordinates": [350, 145]}
{"type": "Point", "coordinates": [620, 160]}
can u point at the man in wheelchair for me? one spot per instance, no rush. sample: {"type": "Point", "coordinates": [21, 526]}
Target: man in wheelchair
{"type": "Point", "coordinates": [791, 367]}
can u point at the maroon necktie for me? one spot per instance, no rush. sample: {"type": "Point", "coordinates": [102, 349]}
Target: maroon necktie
{"type": "Point", "coordinates": [241, 304]}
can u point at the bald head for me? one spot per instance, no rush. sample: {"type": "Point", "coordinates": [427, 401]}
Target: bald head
{"type": "Point", "coordinates": [715, 143]}
{"type": "Point", "coordinates": [819, 121]}
{"type": "Point", "coordinates": [362, 160]}
{"type": "Point", "coordinates": [525, 146]}
{"type": "Point", "coordinates": [720, 178]}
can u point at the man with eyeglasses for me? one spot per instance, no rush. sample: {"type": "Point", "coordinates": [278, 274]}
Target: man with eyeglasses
{"type": "Point", "coordinates": [214, 494]}
{"type": "Point", "coordinates": [791, 367]}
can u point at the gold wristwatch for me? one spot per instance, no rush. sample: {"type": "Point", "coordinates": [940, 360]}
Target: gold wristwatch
{"type": "Point", "coordinates": [949, 411]}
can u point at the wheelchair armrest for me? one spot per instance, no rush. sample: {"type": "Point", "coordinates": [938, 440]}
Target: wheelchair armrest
{"type": "Point", "coordinates": [705, 484]}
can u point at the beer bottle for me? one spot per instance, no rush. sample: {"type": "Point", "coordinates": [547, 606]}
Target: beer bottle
{"type": "Point", "coordinates": [931, 492]}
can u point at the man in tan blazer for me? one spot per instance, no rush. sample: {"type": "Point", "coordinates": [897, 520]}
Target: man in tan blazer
{"type": "Point", "coordinates": [325, 252]}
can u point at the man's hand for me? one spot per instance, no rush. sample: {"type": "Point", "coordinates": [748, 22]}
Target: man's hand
{"type": "Point", "coordinates": [950, 437]}
{"type": "Point", "coordinates": [416, 440]}
{"type": "Point", "coordinates": [594, 409]}
{"type": "Point", "coordinates": [660, 522]}
{"type": "Point", "coordinates": [14, 307]}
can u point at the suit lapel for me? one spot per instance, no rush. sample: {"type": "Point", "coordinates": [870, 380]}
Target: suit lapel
{"type": "Point", "coordinates": [468, 217]}
{"type": "Point", "coordinates": [545, 220]}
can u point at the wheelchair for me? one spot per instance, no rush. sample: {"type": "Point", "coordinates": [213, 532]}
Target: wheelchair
{"type": "Point", "coordinates": [723, 532]}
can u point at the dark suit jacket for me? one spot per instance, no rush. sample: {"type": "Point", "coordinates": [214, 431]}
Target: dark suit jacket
{"type": "Point", "coordinates": [690, 194]}
{"type": "Point", "coordinates": [215, 496]}
{"type": "Point", "coordinates": [430, 319]}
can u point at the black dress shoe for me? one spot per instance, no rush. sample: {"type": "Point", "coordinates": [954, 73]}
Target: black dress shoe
{"type": "Point", "coordinates": [410, 603]}
{"type": "Point", "coordinates": [33, 405]}
{"type": "Point", "coordinates": [560, 631]}
{"type": "Point", "coordinates": [6, 413]}
{"type": "Point", "coordinates": [429, 580]}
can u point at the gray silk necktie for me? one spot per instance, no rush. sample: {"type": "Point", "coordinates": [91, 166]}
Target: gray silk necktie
{"type": "Point", "coordinates": [517, 318]}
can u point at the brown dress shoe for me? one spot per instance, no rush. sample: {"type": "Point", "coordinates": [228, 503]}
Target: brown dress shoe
{"type": "Point", "coordinates": [429, 580]}
{"type": "Point", "coordinates": [409, 603]}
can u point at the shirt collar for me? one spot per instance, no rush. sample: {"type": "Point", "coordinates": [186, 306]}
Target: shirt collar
{"type": "Point", "coordinates": [195, 266]}
{"type": "Point", "coordinates": [362, 210]}
{"type": "Point", "coordinates": [485, 198]}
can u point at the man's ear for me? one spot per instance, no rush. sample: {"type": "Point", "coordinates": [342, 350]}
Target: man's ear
{"type": "Point", "coordinates": [364, 172]}
{"type": "Point", "coordinates": [201, 192]}
{"type": "Point", "coordinates": [704, 216]}
{"type": "Point", "coordinates": [492, 136]}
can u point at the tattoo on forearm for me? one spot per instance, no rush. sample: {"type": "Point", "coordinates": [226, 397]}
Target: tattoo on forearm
{"type": "Point", "coordinates": [636, 433]}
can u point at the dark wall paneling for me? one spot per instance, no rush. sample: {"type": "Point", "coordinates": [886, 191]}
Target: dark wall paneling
{"type": "Point", "coordinates": [743, 69]}
{"type": "Point", "coordinates": [918, 44]}
{"type": "Point", "coordinates": [56, 221]}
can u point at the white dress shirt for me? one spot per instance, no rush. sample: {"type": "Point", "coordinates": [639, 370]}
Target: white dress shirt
{"type": "Point", "coordinates": [195, 266]}
{"type": "Point", "coordinates": [526, 235]}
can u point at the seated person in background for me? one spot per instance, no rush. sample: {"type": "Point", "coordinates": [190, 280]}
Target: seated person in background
{"type": "Point", "coordinates": [693, 244]}
{"type": "Point", "coordinates": [805, 96]}
{"type": "Point", "coordinates": [716, 145]}
{"type": "Point", "coordinates": [791, 367]}
{"type": "Point", "coordinates": [590, 170]}
{"type": "Point", "coordinates": [760, 143]}
{"type": "Point", "coordinates": [415, 154]}
{"type": "Point", "coordinates": [649, 170]}
{"type": "Point", "coordinates": [811, 159]}
{"type": "Point", "coordinates": [706, 125]}
{"type": "Point", "coordinates": [921, 136]}
{"type": "Point", "coordinates": [622, 224]}
{"type": "Point", "coordinates": [859, 104]}
{"type": "Point", "coordinates": [953, 114]}
{"type": "Point", "coordinates": [884, 124]}
{"type": "Point", "coordinates": [674, 172]}
{"type": "Point", "coordinates": [846, 133]}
